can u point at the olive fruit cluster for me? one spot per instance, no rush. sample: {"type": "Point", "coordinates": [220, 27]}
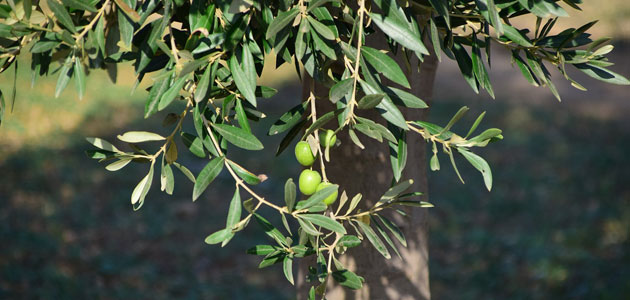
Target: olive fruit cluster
{"type": "Point", "coordinates": [310, 180]}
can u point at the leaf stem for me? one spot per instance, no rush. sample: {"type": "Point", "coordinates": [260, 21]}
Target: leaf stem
{"type": "Point", "coordinates": [316, 133]}
{"type": "Point", "coordinates": [355, 71]}
{"type": "Point", "coordinates": [238, 180]}
{"type": "Point", "coordinates": [89, 26]}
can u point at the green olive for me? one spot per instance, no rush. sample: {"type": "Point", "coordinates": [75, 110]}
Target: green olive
{"type": "Point", "coordinates": [303, 154]}
{"type": "Point", "coordinates": [330, 199]}
{"type": "Point", "coordinates": [327, 138]}
{"type": "Point", "coordinates": [309, 181]}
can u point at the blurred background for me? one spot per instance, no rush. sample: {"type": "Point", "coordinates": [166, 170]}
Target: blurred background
{"type": "Point", "coordinates": [555, 226]}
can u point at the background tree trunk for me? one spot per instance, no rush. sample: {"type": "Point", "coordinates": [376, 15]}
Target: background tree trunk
{"type": "Point", "coordinates": [369, 172]}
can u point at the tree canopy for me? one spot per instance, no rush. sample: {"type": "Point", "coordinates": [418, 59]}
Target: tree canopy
{"type": "Point", "coordinates": [203, 58]}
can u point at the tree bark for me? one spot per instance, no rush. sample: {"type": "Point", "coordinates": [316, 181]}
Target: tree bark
{"type": "Point", "coordinates": [369, 172]}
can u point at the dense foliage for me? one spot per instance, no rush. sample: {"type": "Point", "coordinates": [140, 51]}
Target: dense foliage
{"type": "Point", "coordinates": [208, 55]}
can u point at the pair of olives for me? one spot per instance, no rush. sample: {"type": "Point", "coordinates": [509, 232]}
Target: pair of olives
{"type": "Point", "coordinates": [310, 180]}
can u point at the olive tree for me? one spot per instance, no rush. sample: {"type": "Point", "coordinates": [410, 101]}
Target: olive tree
{"type": "Point", "coordinates": [366, 66]}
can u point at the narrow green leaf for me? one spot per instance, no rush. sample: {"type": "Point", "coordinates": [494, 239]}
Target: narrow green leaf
{"type": "Point", "coordinates": [28, 8]}
{"type": "Point", "coordinates": [370, 101]}
{"type": "Point", "coordinates": [323, 15]}
{"type": "Point", "coordinates": [288, 138]}
{"type": "Point", "coordinates": [172, 92]}
{"type": "Point", "coordinates": [348, 279]}
{"type": "Point", "coordinates": [374, 239]}
{"type": "Point", "coordinates": [317, 3]}
{"type": "Point", "coordinates": [62, 15]}
{"type": "Point", "coordinates": [324, 221]}
{"type": "Point", "coordinates": [400, 97]}
{"type": "Point", "coordinates": [321, 121]}
{"type": "Point", "coordinates": [192, 66]}
{"type": "Point", "coordinates": [318, 197]}
{"type": "Point", "coordinates": [355, 139]}
{"type": "Point", "coordinates": [285, 222]}
{"type": "Point", "coordinates": [450, 155]}
{"type": "Point", "coordinates": [321, 29]}
{"type": "Point", "coordinates": [119, 164]}
{"type": "Point", "coordinates": [79, 77]}
{"type": "Point", "coordinates": [185, 171]}
{"type": "Point", "coordinates": [194, 144]}
{"type": "Point", "coordinates": [398, 234]}
{"type": "Point", "coordinates": [125, 27]}
{"type": "Point", "coordinates": [349, 241]}
{"type": "Point", "coordinates": [270, 230]}
{"type": "Point", "coordinates": [234, 212]}
{"type": "Point", "coordinates": [435, 40]}
{"type": "Point", "coordinates": [323, 46]}
{"type": "Point", "coordinates": [301, 40]}
{"type": "Point", "coordinates": [480, 164]}
{"type": "Point", "coordinates": [238, 137]}
{"type": "Point", "coordinates": [141, 190]}
{"type": "Point", "coordinates": [43, 46]}
{"type": "Point", "coordinates": [242, 81]}
{"type": "Point", "coordinates": [281, 21]}
{"type": "Point", "coordinates": [308, 227]}
{"type": "Point", "coordinates": [64, 75]}
{"type": "Point", "coordinates": [168, 183]}
{"type": "Point", "coordinates": [247, 176]}
{"type": "Point", "coordinates": [241, 116]}
{"type": "Point", "coordinates": [265, 91]}
{"type": "Point", "coordinates": [287, 267]}
{"type": "Point", "coordinates": [602, 74]}
{"type": "Point", "coordinates": [525, 70]}
{"type": "Point", "coordinates": [261, 250]}
{"type": "Point", "coordinates": [288, 119]}
{"type": "Point", "coordinates": [399, 32]}
{"type": "Point", "coordinates": [422, 204]}
{"type": "Point", "coordinates": [79, 5]}
{"type": "Point", "coordinates": [271, 259]}
{"type": "Point", "coordinates": [516, 36]}
{"type": "Point", "coordinates": [385, 236]}
{"type": "Point", "coordinates": [465, 66]}
{"type": "Point", "coordinates": [219, 236]}
{"type": "Point", "coordinates": [155, 94]}
{"type": "Point", "coordinates": [396, 190]}
{"type": "Point", "coordinates": [204, 83]}
{"type": "Point", "coordinates": [489, 11]}
{"type": "Point", "coordinates": [200, 15]}
{"type": "Point", "coordinates": [340, 89]}
{"type": "Point", "coordinates": [399, 156]}
{"type": "Point", "coordinates": [434, 163]}
{"type": "Point", "coordinates": [290, 194]}
{"type": "Point", "coordinates": [100, 35]}
{"type": "Point", "coordinates": [385, 65]}
{"type": "Point", "coordinates": [442, 8]}
{"type": "Point", "coordinates": [387, 108]}
{"type": "Point", "coordinates": [486, 134]}
{"type": "Point", "coordinates": [207, 175]}
{"type": "Point", "coordinates": [476, 124]}
{"type": "Point", "coordinates": [479, 67]}
{"type": "Point", "coordinates": [248, 66]}
{"type": "Point", "coordinates": [102, 144]}
{"type": "Point", "coordinates": [460, 113]}
{"type": "Point", "coordinates": [353, 203]}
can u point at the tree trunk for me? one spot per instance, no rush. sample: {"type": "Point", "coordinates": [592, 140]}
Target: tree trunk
{"type": "Point", "coordinates": [369, 172]}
